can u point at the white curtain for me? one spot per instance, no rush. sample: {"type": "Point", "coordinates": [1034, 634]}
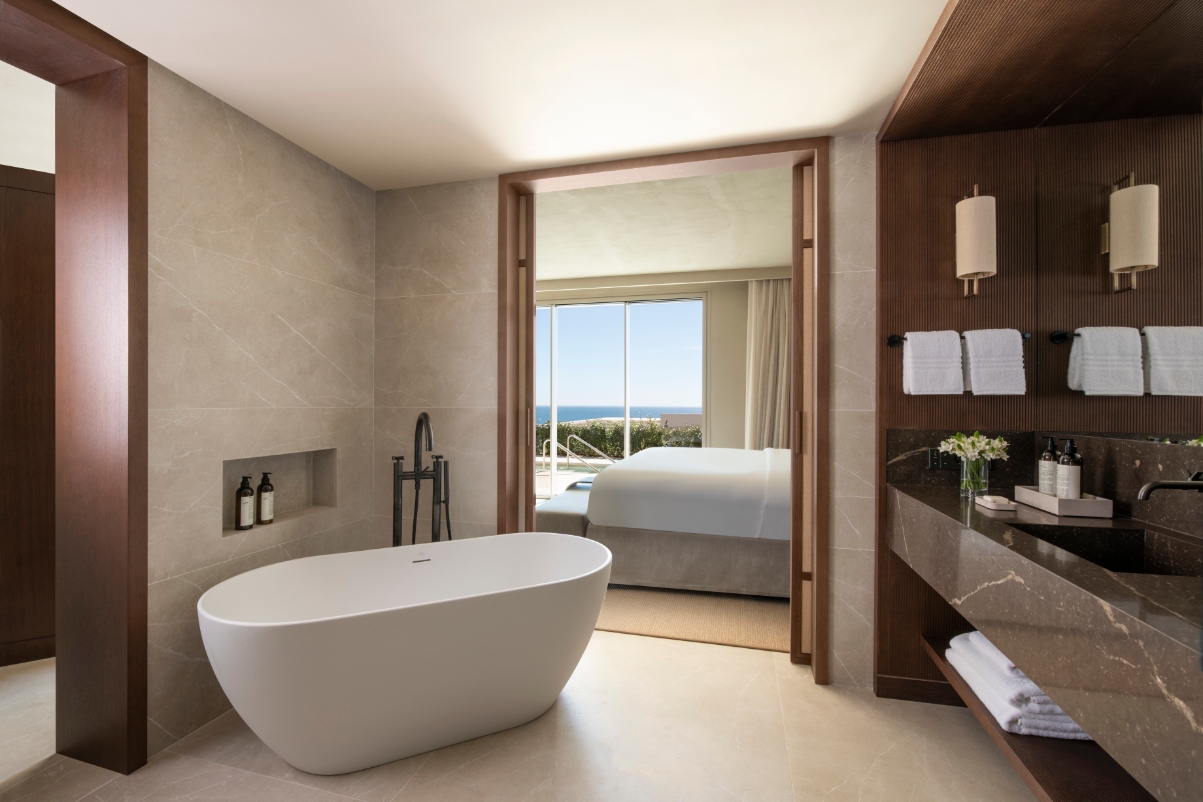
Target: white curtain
{"type": "Point", "coordinates": [766, 412]}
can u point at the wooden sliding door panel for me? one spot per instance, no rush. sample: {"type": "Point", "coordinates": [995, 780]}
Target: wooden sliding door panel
{"type": "Point", "coordinates": [26, 422]}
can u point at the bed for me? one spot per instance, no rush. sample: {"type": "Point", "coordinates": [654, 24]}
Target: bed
{"type": "Point", "coordinates": [713, 519]}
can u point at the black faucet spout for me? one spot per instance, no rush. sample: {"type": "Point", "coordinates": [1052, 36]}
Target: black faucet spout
{"type": "Point", "coordinates": [1194, 483]}
{"type": "Point", "coordinates": [423, 425]}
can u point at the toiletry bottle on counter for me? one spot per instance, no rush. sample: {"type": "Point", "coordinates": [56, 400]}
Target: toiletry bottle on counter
{"type": "Point", "coordinates": [267, 500]}
{"type": "Point", "coordinates": [1069, 472]}
{"type": "Point", "coordinates": [1048, 468]}
{"type": "Point", "coordinates": [244, 505]}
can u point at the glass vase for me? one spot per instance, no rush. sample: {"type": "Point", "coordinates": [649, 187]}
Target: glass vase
{"type": "Point", "coordinates": [975, 477]}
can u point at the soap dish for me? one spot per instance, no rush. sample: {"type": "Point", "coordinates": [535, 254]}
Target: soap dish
{"type": "Point", "coordinates": [996, 503]}
{"type": "Point", "coordinates": [1087, 506]}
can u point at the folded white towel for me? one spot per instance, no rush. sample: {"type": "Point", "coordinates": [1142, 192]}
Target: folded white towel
{"type": "Point", "coordinates": [992, 653]}
{"type": "Point", "coordinates": [1106, 360]}
{"type": "Point", "coordinates": [931, 363]}
{"type": "Point", "coordinates": [1009, 717]}
{"type": "Point", "coordinates": [1173, 360]}
{"type": "Point", "coordinates": [995, 362]}
{"type": "Point", "coordinates": [1015, 688]}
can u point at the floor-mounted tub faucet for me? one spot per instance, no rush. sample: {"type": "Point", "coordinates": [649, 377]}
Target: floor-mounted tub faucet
{"type": "Point", "coordinates": [439, 473]}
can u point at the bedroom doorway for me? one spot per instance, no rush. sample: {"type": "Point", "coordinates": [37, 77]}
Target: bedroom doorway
{"type": "Point", "coordinates": [784, 455]}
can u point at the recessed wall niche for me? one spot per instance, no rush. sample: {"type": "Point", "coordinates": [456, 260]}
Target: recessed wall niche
{"type": "Point", "coordinates": [306, 483]}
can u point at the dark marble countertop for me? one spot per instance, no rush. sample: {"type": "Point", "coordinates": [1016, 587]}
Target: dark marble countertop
{"type": "Point", "coordinates": [1172, 605]}
{"type": "Point", "coordinates": [1119, 652]}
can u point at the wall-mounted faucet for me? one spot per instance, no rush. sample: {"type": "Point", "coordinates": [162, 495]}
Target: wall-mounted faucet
{"type": "Point", "coordinates": [439, 473]}
{"type": "Point", "coordinates": [1194, 483]}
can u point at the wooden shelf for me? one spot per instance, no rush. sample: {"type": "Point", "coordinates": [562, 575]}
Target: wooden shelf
{"type": "Point", "coordinates": [1055, 769]}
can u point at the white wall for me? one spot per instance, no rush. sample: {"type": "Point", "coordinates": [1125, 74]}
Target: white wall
{"type": "Point", "coordinates": [727, 358]}
{"type": "Point", "coordinates": [26, 120]}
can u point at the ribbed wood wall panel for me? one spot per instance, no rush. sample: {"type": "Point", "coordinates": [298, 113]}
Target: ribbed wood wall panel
{"type": "Point", "coordinates": [1077, 163]}
{"type": "Point", "coordinates": [1052, 188]}
{"type": "Point", "coordinates": [1008, 64]}
{"type": "Point", "coordinates": [920, 182]}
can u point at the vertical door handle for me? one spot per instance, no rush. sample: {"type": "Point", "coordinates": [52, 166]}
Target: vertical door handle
{"type": "Point", "coordinates": [797, 432]}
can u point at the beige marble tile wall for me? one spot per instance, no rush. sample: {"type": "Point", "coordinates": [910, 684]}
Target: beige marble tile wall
{"type": "Point", "coordinates": [436, 346]}
{"type": "Point", "coordinates": [853, 349]}
{"type": "Point", "coordinates": [261, 343]}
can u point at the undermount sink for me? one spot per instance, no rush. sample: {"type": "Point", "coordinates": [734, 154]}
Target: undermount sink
{"type": "Point", "coordinates": [1129, 551]}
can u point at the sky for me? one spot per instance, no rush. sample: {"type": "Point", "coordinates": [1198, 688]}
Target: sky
{"type": "Point", "coordinates": [666, 354]}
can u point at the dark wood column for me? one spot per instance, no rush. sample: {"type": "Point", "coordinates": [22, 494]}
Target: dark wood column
{"type": "Point", "coordinates": [100, 373]}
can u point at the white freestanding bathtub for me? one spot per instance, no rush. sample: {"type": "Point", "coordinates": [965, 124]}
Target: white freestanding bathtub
{"type": "Point", "coordinates": [346, 661]}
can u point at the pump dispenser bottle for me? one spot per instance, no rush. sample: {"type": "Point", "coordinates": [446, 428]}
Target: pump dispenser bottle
{"type": "Point", "coordinates": [1069, 472]}
{"type": "Point", "coordinates": [244, 505]}
{"type": "Point", "coordinates": [1047, 467]}
{"type": "Point", "coordinates": [267, 500]}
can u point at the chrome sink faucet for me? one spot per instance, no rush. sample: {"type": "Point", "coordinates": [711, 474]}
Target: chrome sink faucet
{"type": "Point", "coordinates": [1194, 483]}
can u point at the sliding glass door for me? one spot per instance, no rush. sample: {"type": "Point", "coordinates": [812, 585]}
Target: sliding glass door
{"type": "Point", "coordinates": [613, 378]}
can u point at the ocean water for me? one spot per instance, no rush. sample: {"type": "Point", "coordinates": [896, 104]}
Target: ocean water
{"type": "Point", "coordinates": [543, 413]}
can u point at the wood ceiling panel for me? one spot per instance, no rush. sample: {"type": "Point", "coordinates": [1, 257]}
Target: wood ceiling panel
{"type": "Point", "coordinates": [997, 65]}
{"type": "Point", "coordinates": [1159, 73]}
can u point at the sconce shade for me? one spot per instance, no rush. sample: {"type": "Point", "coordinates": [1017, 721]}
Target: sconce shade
{"type": "Point", "coordinates": [1133, 229]}
{"type": "Point", "coordinates": [977, 252]}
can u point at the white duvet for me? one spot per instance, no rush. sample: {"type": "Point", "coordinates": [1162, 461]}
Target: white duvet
{"type": "Point", "coordinates": [709, 491]}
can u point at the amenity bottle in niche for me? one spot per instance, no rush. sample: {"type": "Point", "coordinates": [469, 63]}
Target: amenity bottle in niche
{"type": "Point", "coordinates": [267, 500]}
{"type": "Point", "coordinates": [244, 505]}
{"type": "Point", "coordinates": [1048, 468]}
{"type": "Point", "coordinates": [1069, 472]}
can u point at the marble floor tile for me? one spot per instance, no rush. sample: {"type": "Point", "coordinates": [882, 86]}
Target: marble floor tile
{"type": "Point", "coordinates": [26, 715]}
{"type": "Point", "coordinates": [170, 776]}
{"type": "Point", "coordinates": [641, 719]}
{"type": "Point", "coordinates": [55, 779]}
{"type": "Point", "coordinates": [228, 741]}
{"type": "Point", "coordinates": [846, 744]}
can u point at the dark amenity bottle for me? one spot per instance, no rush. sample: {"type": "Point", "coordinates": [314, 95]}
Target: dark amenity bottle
{"type": "Point", "coordinates": [244, 505]}
{"type": "Point", "coordinates": [267, 500]}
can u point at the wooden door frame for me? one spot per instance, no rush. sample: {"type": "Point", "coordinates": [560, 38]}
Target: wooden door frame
{"type": "Point", "coordinates": [101, 246]}
{"type": "Point", "coordinates": [810, 355]}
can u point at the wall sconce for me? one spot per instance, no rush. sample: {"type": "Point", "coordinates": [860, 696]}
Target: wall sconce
{"type": "Point", "coordinates": [977, 251]}
{"type": "Point", "coordinates": [1131, 235]}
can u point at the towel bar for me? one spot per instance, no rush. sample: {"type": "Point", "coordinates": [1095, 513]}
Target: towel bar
{"type": "Point", "coordinates": [895, 340]}
{"type": "Point", "coordinates": [1059, 337]}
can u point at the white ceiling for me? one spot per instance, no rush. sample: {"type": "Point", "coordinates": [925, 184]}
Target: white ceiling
{"type": "Point", "coordinates": [718, 222]}
{"type": "Point", "coordinates": [26, 120]}
{"type": "Point", "coordinates": [424, 91]}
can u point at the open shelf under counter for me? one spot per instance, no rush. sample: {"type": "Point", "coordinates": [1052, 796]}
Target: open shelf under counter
{"type": "Point", "coordinates": [1057, 770]}
{"type": "Point", "coordinates": [283, 518]}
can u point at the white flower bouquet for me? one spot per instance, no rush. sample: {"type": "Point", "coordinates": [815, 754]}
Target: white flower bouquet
{"type": "Point", "coordinates": [976, 451]}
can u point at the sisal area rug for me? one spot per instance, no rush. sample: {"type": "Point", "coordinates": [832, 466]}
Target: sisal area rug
{"type": "Point", "coordinates": [753, 622]}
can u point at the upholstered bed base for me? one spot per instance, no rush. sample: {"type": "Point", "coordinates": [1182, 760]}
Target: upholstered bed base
{"type": "Point", "coordinates": [716, 563]}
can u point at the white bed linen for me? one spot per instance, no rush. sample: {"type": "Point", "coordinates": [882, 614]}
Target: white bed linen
{"type": "Point", "coordinates": [708, 491]}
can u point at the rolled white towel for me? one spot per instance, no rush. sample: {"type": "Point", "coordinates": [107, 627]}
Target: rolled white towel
{"type": "Point", "coordinates": [1014, 688]}
{"type": "Point", "coordinates": [1009, 717]}
{"type": "Point", "coordinates": [1173, 360]}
